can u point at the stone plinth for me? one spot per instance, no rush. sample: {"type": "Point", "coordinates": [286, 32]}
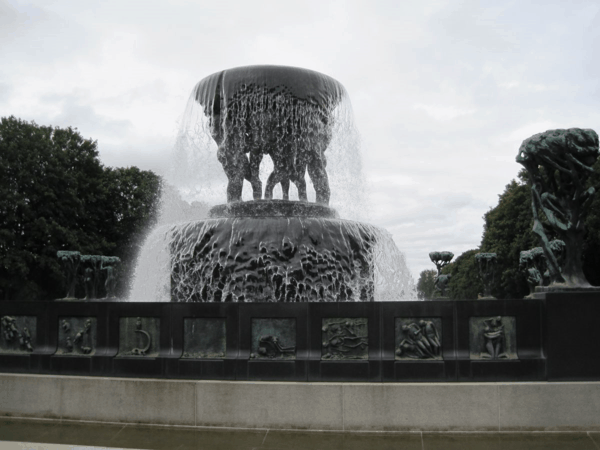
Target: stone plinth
{"type": "Point", "coordinates": [306, 406]}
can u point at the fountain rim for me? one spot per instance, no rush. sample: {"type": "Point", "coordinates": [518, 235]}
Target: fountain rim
{"type": "Point", "coordinates": [272, 208]}
{"type": "Point", "coordinates": [308, 85]}
{"type": "Point", "coordinates": [274, 67]}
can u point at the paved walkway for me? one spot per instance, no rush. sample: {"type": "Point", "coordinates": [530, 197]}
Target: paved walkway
{"type": "Point", "coordinates": [14, 433]}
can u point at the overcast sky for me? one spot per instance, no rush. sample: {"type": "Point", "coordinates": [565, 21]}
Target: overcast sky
{"type": "Point", "coordinates": [443, 92]}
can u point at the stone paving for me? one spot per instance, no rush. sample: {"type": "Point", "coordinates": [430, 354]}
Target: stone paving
{"type": "Point", "coordinates": [66, 435]}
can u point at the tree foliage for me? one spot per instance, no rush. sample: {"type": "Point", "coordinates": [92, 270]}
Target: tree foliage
{"type": "Point", "coordinates": [56, 195]}
{"type": "Point", "coordinates": [464, 282]}
{"type": "Point", "coordinates": [507, 231]}
{"type": "Point", "coordinates": [426, 284]}
{"type": "Point", "coordinates": [132, 205]}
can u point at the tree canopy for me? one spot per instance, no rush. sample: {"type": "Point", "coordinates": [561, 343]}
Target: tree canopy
{"type": "Point", "coordinates": [507, 231]}
{"type": "Point", "coordinates": [464, 283]}
{"type": "Point", "coordinates": [56, 195]}
{"type": "Point", "coordinates": [426, 284]}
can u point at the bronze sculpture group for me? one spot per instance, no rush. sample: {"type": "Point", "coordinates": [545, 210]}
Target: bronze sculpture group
{"type": "Point", "coordinates": [282, 112]}
{"type": "Point", "coordinates": [91, 271]}
{"type": "Point", "coordinates": [421, 340]}
{"type": "Point", "coordinates": [441, 260]}
{"type": "Point", "coordinates": [559, 163]}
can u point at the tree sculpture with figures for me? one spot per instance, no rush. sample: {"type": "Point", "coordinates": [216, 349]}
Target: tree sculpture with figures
{"type": "Point", "coordinates": [441, 259]}
{"type": "Point", "coordinates": [560, 163]}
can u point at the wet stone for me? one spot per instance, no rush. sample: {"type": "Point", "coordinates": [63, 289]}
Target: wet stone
{"type": "Point", "coordinates": [273, 259]}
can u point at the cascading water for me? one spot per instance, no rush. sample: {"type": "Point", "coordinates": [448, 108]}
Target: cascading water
{"type": "Point", "coordinates": [198, 174]}
{"type": "Point", "coordinates": [255, 128]}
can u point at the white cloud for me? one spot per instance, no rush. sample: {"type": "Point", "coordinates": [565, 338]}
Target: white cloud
{"type": "Point", "coordinates": [443, 92]}
{"type": "Point", "coordinates": [528, 130]}
{"type": "Point", "coordinates": [444, 113]}
{"type": "Point", "coordinates": [5, 92]}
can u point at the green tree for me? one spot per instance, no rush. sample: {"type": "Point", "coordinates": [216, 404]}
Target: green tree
{"type": "Point", "coordinates": [507, 231]}
{"type": "Point", "coordinates": [132, 197]}
{"type": "Point", "coordinates": [464, 283]}
{"type": "Point", "coordinates": [426, 283]}
{"type": "Point", "coordinates": [56, 195]}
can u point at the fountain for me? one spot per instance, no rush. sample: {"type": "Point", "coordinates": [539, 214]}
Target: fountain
{"type": "Point", "coordinates": [263, 288]}
{"type": "Point", "coordinates": [267, 249]}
